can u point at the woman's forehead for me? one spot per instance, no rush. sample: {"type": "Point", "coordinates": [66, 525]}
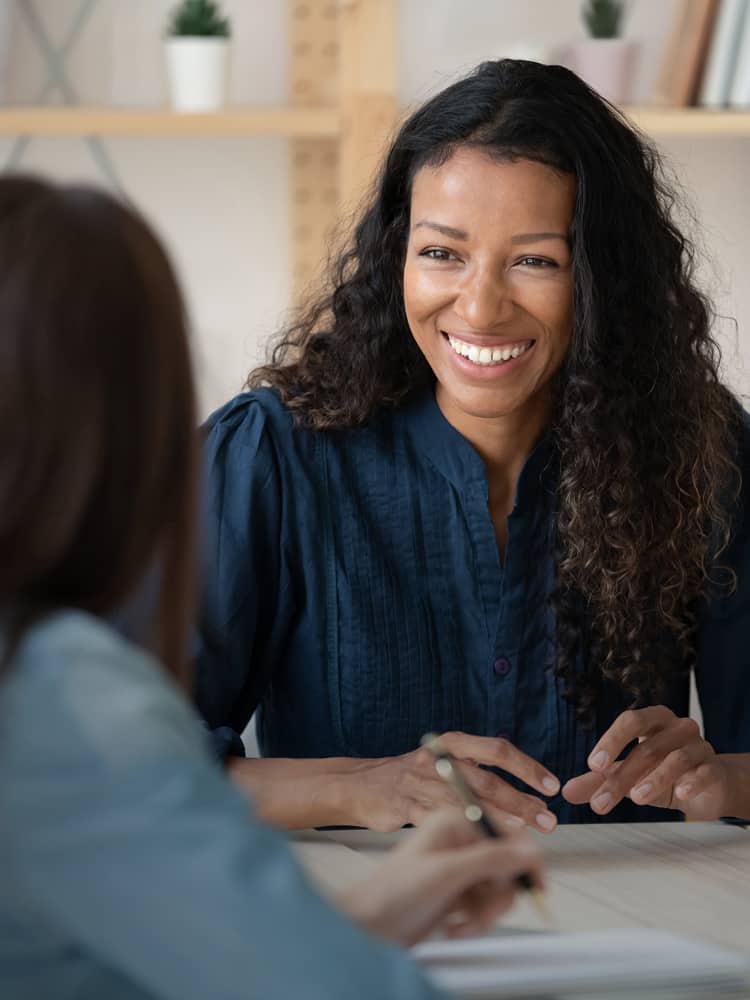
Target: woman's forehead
{"type": "Point", "coordinates": [481, 190]}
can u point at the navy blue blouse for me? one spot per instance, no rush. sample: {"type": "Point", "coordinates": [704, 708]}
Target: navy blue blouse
{"type": "Point", "coordinates": [356, 598]}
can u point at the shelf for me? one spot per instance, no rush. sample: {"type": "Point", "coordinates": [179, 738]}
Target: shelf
{"type": "Point", "coordinates": [300, 122]}
{"type": "Point", "coordinates": [293, 122]}
{"type": "Point", "coordinates": [695, 122]}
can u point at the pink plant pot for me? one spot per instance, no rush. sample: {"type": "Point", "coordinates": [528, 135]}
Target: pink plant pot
{"type": "Point", "coordinates": [607, 65]}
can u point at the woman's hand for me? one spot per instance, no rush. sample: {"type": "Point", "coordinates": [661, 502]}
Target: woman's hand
{"type": "Point", "coordinates": [445, 876]}
{"type": "Point", "coordinates": [388, 793]}
{"type": "Point", "coordinates": [672, 766]}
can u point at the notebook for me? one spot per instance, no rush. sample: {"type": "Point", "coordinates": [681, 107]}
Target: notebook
{"type": "Point", "coordinates": [635, 961]}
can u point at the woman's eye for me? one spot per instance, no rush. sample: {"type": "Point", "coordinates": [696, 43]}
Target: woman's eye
{"type": "Point", "coordinates": [537, 262]}
{"type": "Point", "coordinates": [436, 253]}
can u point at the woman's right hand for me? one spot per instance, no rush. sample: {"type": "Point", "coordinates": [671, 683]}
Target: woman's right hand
{"type": "Point", "coordinates": [447, 876]}
{"type": "Point", "coordinates": [390, 792]}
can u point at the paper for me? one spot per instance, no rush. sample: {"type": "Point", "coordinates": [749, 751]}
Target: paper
{"type": "Point", "coordinates": [585, 963]}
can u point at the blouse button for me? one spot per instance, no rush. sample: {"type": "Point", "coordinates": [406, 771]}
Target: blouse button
{"type": "Point", "coordinates": [502, 666]}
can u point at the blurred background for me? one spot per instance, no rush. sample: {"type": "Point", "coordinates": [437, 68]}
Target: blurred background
{"type": "Point", "coordinates": [244, 202]}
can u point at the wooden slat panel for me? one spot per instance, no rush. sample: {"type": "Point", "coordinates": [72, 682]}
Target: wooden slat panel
{"type": "Point", "coordinates": [313, 68]}
{"type": "Point", "coordinates": [367, 91]}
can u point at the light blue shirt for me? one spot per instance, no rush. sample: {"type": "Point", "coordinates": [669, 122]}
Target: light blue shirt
{"type": "Point", "coordinates": [129, 866]}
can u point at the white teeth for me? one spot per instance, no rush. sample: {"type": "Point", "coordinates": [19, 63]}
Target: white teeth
{"type": "Point", "coordinates": [487, 355]}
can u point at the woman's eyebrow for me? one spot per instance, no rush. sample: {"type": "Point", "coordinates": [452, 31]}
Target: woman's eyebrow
{"type": "Point", "coordinates": [460, 234]}
{"type": "Point", "coordinates": [454, 234]}
{"type": "Point", "coordinates": [534, 237]}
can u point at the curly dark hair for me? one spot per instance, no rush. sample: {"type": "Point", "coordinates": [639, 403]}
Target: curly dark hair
{"type": "Point", "coordinates": [647, 436]}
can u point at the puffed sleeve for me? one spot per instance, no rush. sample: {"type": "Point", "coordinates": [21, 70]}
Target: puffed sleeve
{"type": "Point", "coordinates": [245, 600]}
{"type": "Point", "coordinates": [138, 859]}
{"type": "Point", "coordinates": [723, 655]}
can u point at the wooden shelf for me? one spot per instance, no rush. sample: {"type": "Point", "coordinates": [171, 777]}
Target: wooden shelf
{"type": "Point", "coordinates": [293, 122]}
{"type": "Point", "coordinates": [696, 122]}
{"type": "Point", "coordinates": [299, 122]}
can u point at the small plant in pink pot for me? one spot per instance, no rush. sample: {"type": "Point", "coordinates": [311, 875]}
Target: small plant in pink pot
{"type": "Point", "coordinates": [605, 60]}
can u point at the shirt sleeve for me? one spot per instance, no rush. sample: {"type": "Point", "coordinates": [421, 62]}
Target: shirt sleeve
{"type": "Point", "coordinates": [245, 599]}
{"type": "Point", "coordinates": [127, 840]}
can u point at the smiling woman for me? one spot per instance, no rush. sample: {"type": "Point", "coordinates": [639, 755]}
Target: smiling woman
{"type": "Point", "coordinates": [490, 484]}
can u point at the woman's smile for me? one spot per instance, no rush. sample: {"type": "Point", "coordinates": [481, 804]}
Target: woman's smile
{"type": "Point", "coordinates": [494, 356]}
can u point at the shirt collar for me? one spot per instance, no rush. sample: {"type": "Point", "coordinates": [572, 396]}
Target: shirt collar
{"type": "Point", "coordinates": [452, 455]}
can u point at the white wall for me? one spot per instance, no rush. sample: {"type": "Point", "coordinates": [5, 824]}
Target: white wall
{"type": "Point", "coordinates": [221, 204]}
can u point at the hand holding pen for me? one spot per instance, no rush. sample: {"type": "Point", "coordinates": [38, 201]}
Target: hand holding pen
{"type": "Point", "coordinates": [449, 772]}
{"type": "Point", "coordinates": [388, 793]}
{"type": "Point", "coordinates": [445, 877]}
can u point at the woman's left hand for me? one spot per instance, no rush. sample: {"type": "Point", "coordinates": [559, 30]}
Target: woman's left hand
{"type": "Point", "coordinates": [672, 766]}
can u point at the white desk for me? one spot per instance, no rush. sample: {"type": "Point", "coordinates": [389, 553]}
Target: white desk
{"type": "Point", "coordinates": [693, 878]}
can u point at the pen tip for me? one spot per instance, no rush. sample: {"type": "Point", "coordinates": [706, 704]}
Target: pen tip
{"type": "Point", "coordinates": [542, 909]}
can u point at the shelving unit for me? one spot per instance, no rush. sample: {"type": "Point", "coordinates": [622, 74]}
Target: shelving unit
{"type": "Point", "coordinates": [342, 86]}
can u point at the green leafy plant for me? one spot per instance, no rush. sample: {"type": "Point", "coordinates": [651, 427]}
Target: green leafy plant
{"type": "Point", "coordinates": [198, 18]}
{"type": "Point", "coordinates": [603, 17]}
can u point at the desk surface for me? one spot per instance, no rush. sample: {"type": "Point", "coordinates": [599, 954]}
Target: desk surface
{"type": "Point", "coordinates": [693, 878]}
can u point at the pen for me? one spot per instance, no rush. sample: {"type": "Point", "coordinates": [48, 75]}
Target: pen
{"type": "Point", "coordinates": [742, 821]}
{"type": "Point", "coordinates": [445, 767]}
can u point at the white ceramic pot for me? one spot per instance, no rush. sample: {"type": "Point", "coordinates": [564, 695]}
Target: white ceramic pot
{"type": "Point", "coordinates": [607, 65]}
{"type": "Point", "coordinates": [197, 71]}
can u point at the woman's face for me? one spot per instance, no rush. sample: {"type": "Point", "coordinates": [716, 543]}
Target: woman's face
{"type": "Point", "coordinates": [488, 285]}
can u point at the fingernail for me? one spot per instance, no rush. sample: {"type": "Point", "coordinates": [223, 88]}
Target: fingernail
{"type": "Point", "coordinates": [551, 785]}
{"type": "Point", "coordinates": [642, 791]}
{"type": "Point", "coordinates": [683, 791]}
{"type": "Point", "coordinates": [599, 759]}
{"type": "Point", "coordinates": [514, 821]}
{"type": "Point", "coordinates": [602, 802]}
{"type": "Point", "coordinates": [546, 820]}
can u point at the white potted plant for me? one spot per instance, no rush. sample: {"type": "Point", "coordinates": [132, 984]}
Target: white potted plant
{"type": "Point", "coordinates": [605, 60]}
{"type": "Point", "coordinates": [197, 50]}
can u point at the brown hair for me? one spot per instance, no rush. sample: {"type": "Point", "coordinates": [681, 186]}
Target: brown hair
{"type": "Point", "coordinates": [97, 414]}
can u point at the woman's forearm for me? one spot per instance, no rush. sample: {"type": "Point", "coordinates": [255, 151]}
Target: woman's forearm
{"type": "Point", "coordinates": [295, 794]}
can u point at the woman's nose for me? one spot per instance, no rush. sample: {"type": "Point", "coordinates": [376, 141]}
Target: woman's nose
{"type": "Point", "coordinates": [484, 302]}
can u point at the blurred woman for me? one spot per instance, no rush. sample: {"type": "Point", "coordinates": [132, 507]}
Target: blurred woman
{"type": "Point", "coordinates": [129, 866]}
